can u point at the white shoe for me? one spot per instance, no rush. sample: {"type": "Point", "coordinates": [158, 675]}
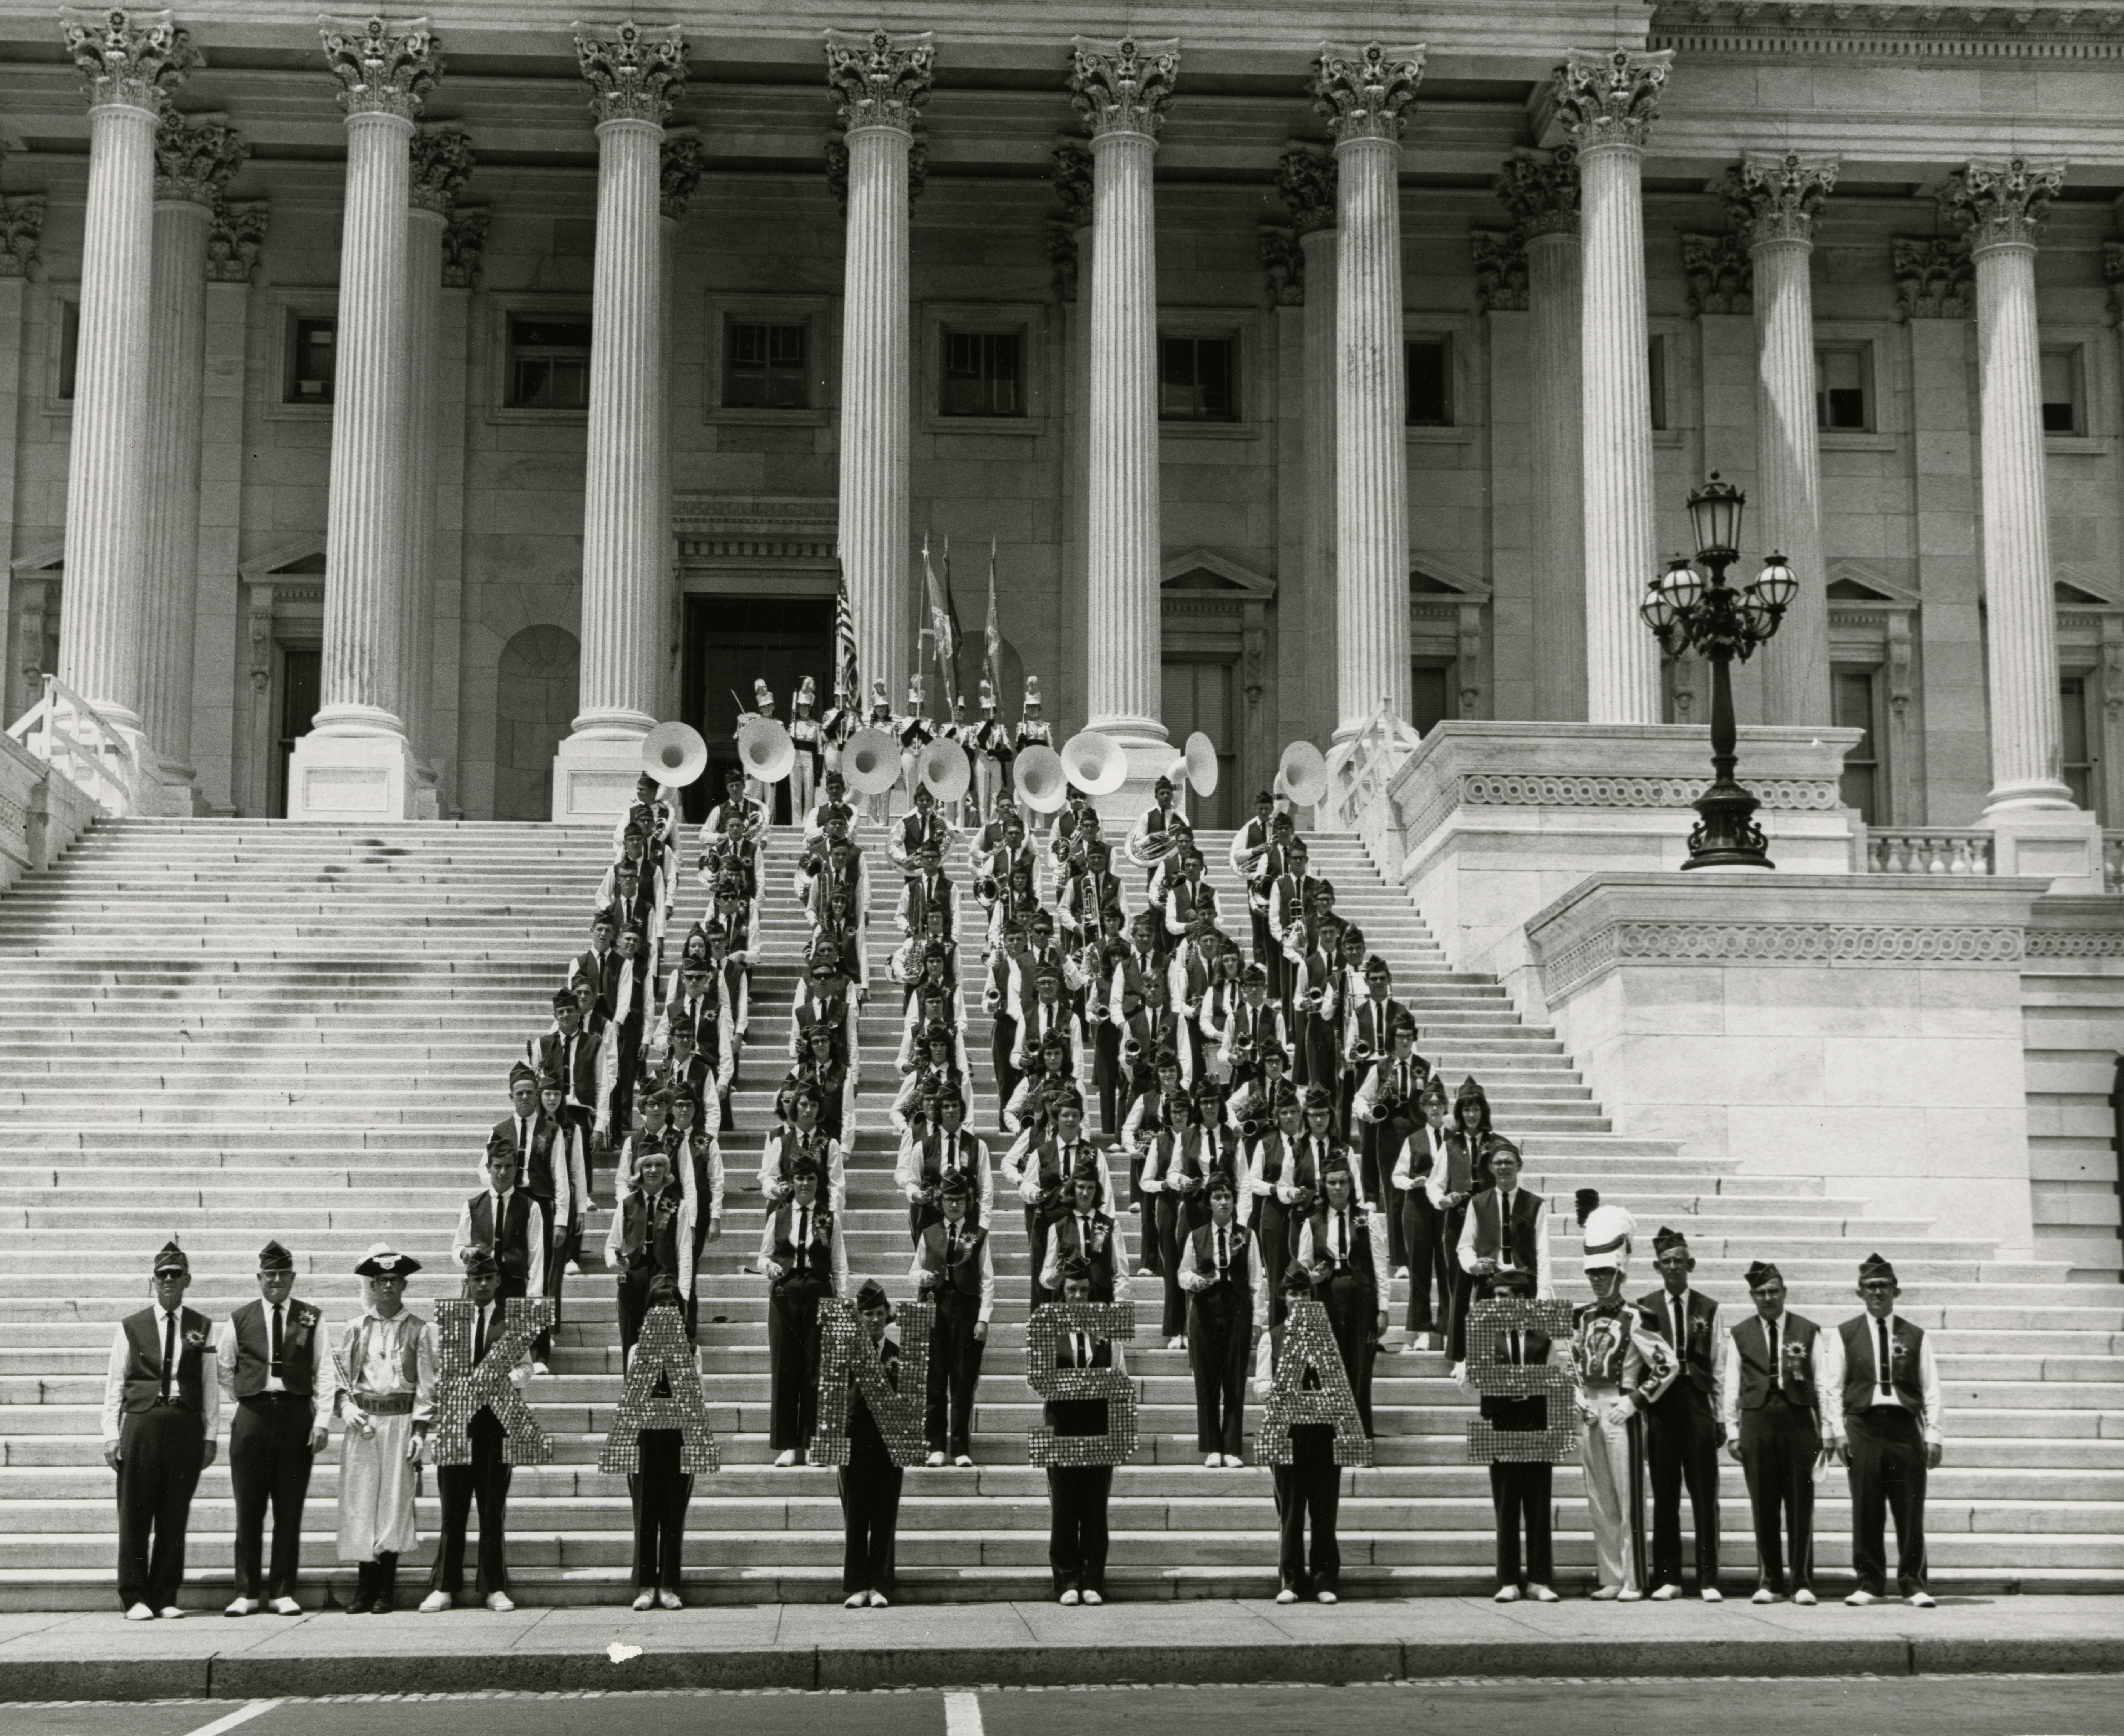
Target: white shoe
{"type": "Point", "coordinates": [501, 1602]}
{"type": "Point", "coordinates": [574, 1270]}
{"type": "Point", "coordinates": [1094, 1599]}
{"type": "Point", "coordinates": [1400, 1271]}
{"type": "Point", "coordinates": [1506, 1594]}
{"type": "Point", "coordinates": [964, 1462]}
{"type": "Point", "coordinates": [1921, 1601]}
{"type": "Point", "coordinates": [645, 1600]}
{"type": "Point", "coordinates": [284, 1606]}
{"type": "Point", "coordinates": [139, 1612]}
{"type": "Point", "coordinates": [670, 1600]}
{"type": "Point", "coordinates": [540, 1368]}
{"type": "Point", "coordinates": [1178, 1344]}
{"type": "Point", "coordinates": [171, 1612]}
{"type": "Point", "coordinates": [787, 1460]}
{"type": "Point", "coordinates": [1667, 1593]}
{"type": "Point", "coordinates": [242, 1607]}
{"type": "Point", "coordinates": [1764, 1594]}
{"type": "Point", "coordinates": [856, 1601]}
{"type": "Point", "coordinates": [1286, 1595]}
{"type": "Point", "coordinates": [1459, 1370]}
{"type": "Point", "coordinates": [935, 1461]}
{"type": "Point", "coordinates": [1214, 1460]}
{"type": "Point", "coordinates": [1711, 1594]}
{"type": "Point", "coordinates": [1068, 1599]}
{"type": "Point", "coordinates": [1325, 1597]}
{"type": "Point", "coordinates": [1859, 1600]}
{"type": "Point", "coordinates": [1804, 1599]}
{"type": "Point", "coordinates": [434, 1603]}
{"type": "Point", "coordinates": [1628, 1596]}
{"type": "Point", "coordinates": [1543, 1594]}
{"type": "Point", "coordinates": [1608, 1593]}
{"type": "Point", "coordinates": [1144, 1272]}
{"type": "Point", "coordinates": [879, 1601]}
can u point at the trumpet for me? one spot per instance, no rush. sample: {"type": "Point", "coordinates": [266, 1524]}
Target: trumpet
{"type": "Point", "coordinates": [987, 889]}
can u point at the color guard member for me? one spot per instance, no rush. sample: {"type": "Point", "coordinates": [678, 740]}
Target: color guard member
{"type": "Point", "coordinates": [388, 1356]}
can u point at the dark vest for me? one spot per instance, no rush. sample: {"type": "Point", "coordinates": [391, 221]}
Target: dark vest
{"type": "Point", "coordinates": [144, 1363]}
{"type": "Point", "coordinates": [1360, 1243]}
{"type": "Point", "coordinates": [1068, 1242]}
{"type": "Point", "coordinates": [1526, 1208]}
{"type": "Point", "coordinates": [962, 1277]}
{"type": "Point", "coordinates": [1240, 1251]}
{"type": "Point", "coordinates": [254, 1345]}
{"type": "Point", "coordinates": [818, 1255]}
{"type": "Point", "coordinates": [933, 1161]}
{"type": "Point", "coordinates": [1696, 1366]}
{"type": "Point", "coordinates": [649, 1232]}
{"type": "Point", "coordinates": [511, 1239]}
{"type": "Point", "coordinates": [1751, 1345]}
{"type": "Point", "coordinates": [1859, 1362]}
{"type": "Point", "coordinates": [581, 1071]}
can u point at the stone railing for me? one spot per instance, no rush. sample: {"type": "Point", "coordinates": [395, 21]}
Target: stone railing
{"type": "Point", "coordinates": [73, 737]}
{"type": "Point", "coordinates": [1926, 849]}
{"type": "Point", "coordinates": [1359, 773]}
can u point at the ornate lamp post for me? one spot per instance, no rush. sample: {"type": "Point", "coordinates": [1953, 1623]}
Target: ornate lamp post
{"type": "Point", "coordinates": [1685, 613]}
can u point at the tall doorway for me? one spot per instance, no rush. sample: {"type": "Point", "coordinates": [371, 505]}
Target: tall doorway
{"type": "Point", "coordinates": [731, 642]}
{"type": "Point", "coordinates": [301, 694]}
{"type": "Point", "coordinates": [1198, 695]}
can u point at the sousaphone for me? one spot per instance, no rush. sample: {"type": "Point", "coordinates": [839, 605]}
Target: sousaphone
{"type": "Point", "coordinates": [944, 769]}
{"type": "Point", "coordinates": [675, 755]}
{"type": "Point", "coordinates": [871, 762]}
{"type": "Point", "coordinates": [765, 749]}
{"type": "Point", "coordinates": [1042, 784]}
{"type": "Point", "coordinates": [1200, 761]}
{"type": "Point", "coordinates": [1303, 772]}
{"type": "Point", "coordinates": [1096, 764]}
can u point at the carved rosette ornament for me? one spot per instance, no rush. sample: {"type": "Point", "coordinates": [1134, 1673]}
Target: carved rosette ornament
{"type": "Point", "coordinates": [1365, 92]}
{"type": "Point", "coordinates": [234, 239]}
{"type": "Point", "coordinates": [132, 59]}
{"type": "Point", "coordinates": [1721, 274]}
{"type": "Point", "coordinates": [881, 79]}
{"type": "Point", "coordinates": [1500, 270]}
{"type": "Point", "coordinates": [464, 240]}
{"type": "Point", "coordinates": [1611, 97]}
{"type": "Point", "coordinates": [384, 66]}
{"type": "Point", "coordinates": [633, 72]}
{"type": "Point", "coordinates": [442, 164]}
{"type": "Point", "coordinates": [1305, 181]}
{"type": "Point", "coordinates": [22, 228]}
{"type": "Point", "coordinates": [680, 166]}
{"type": "Point", "coordinates": [1933, 275]}
{"type": "Point", "coordinates": [195, 157]}
{"type": "Point", "coordinates": [1773, 195]}
{"type": "Point", "coordinates": [1122, 87]}
{"type": "Point", "coordinates": [1539, 189]}
{"type": "Point", "coordinates": [2002, 201]}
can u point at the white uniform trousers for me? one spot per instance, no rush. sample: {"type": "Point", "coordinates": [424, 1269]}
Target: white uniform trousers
{"type": "Point", "coordinates": [1609, 1453]}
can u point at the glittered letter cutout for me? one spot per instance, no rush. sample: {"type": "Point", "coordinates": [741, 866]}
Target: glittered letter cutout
{"type": "Point", "coordinates": [1045, 1334]}
{"type": "Point", "coordinates": [462, 1391]}
{"type": "Point", "coordinates": [662, 1391]}
{"type": "Point", "coordinates": [1495, 1378]}
{"type": "Point", "coordinates": [846, 1357]}
{"type": "Point", "coordinates": [1308, 1343]}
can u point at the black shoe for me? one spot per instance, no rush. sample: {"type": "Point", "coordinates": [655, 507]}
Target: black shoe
{"type": "Point", "coordinates": [364, 1589]}
{"type": "Point", "coordinates": [387, 1583]}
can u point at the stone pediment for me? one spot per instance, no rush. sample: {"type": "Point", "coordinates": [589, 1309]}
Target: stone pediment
{"type": "Point", "coordinates": [1205, 570]}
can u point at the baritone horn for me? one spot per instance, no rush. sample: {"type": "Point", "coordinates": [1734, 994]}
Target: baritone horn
{"type": "Point", "coordinates": [945, 769]}
{"type": "Point", "coordinates": [1042, 784]}
{"type": "Point", "coordinates": [1201, 761]}
{"type": "Point", "coordinates": [765, 749]}
{"type": "Point", "coordinates": [675, 755]}
{"type": "Point", "coordinates": [871, 762]}
{"type": "Point", "coordinates": [1096, 764]}
{"type": "Point", "coordinates": [1303, 773]}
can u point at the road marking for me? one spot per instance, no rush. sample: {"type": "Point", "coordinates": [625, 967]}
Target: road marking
{"type": "Point", "coordinates": [242, 1714]}
{"type": "Point", "coordinates": [962, 1716]}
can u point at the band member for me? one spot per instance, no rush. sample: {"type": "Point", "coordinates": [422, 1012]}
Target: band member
{"type": "Point", "coordinates": [1343, 1246]}
{"type": "Point", "coordinates": [1368, 1032]}
{"type": "Point", "coordinates": [1506, 1229]}
{"type": "Point", "coordinates": [161, 1413]}
{"type": "Point", "coordinates": [927, 889]}
{"type": "Point", "coordinates": [1282, 1178]}
{"type": "Point", "coordinates": [1683, 1432]}
{"type": "Point", "coordinates": [870, 1482]}
{"type": "Point", "coordinates": [758, 790]}
{"type": "Point", "coordinates": [992, 753]}
{"type": "Point", "coordinates": [1227, 1313]}
{"type": "Point", "coordinates": [804, 733]}
{"type": "Point", "coordinates": [843, 719]}
{"type": "Point", "coordinates": [662, 1488]}
{"type": "Point", "coordinates": [1617, 1369]}
{"type": "Point", "coordinates": [1177, 1164]}
{"type": "Point", "coordinates": [486, 1480]}
{"type": "Point", "coordinates": [943, 1150]}
{"type": "Point", "coordinates": [1043, 1167]}
{"type": "Point", "coordinates": [1033, 731]}
{"type": "Point", "coordinates": [388, 1357]}
{"type": "Point", "coordinates": [1077, 1494]}
{"type": "Point", "coordinates": [915, 732]}
{"type": "Point", "coordinates": [1778, 1426]}
{"type": "Point", "coordinates": [733, 837]}
{"type": "Point", "coordinates": [787, 1146]}
{"type": "Point", "coordinates": [1085, 1233]}
{"type": "Point", "coordinates": [1384, 1114]}
{"type": "Point", "coordinates": [802, 1255]}
{"type": "Point", "coordinates": [1884, 1368]}
{"type": "Point", "coordinates": [651, 1237]}
{"type": "Point", "coordinates": [506, 1221]}
{"type": "Point", "coordinates": [275, 1365]}
{"type": "Point", "coordinates": [1249, 855]}
{"type": "Point", "coordinates": [1309, 1490]}
{"type": "Point", "coordinates": [1520, 1487]}
{"type": "Point", "coordinates": [1422, 1180]}
{"type": "Point", "coordinates": [833, 801]}
{"type": "Point", "coordinates": [954, 1268]}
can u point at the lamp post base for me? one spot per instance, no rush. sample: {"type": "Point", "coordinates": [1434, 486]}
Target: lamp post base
{"type": "Point", "coordinates": [1726, 834]}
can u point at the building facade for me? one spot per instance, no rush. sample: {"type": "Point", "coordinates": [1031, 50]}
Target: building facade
{"type": "Point", "coordinates": [399, 418]}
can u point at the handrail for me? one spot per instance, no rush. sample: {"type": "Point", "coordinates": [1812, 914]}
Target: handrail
{"type": "Point", "coordinates": [1359, 774]}
{"type": "Point", "coordinates": [66, 732]}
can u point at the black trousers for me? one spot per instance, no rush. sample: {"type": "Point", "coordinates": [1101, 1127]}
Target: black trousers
{"type": "Point", "coordinates": [1308, 1491]}
{"type": "Point", "coordinates": [955, 1375]}
{"type": "Point", "coordinates": [1266, 950]}
{"type": "Point", "coordinates": [1107, 1074]}
{"type": "Point", "coordinates": [1272, 1237]}
{"type": "Point", "coordinates": [1007, 1076]}
{"type": "Point", "coordinates": [1173, 1218]}
{"type": "Point", "coordinates": [160, 1454]}
{"type": "Point", "coordinates": [1430, 1260]}
{"type": "Point", "coordinates": [1219, 1332]}
{"type": "Point", "coordinates": [1520, 1494]}
{"type": "Point", "coordinates": [1888, 1451]}
{"type": "Point", "coordinates": [269, 1463]}
{"type": "Point", "coordinates": [1681, 1450]}
{"type": "Point", "coordinates": [870, 1523]}
{"type": "Point", "coordinates": [661, 1493]}
{"type": "Point", "coordinates": [1457, 1301]}
{"type": "Point", "coordinates": [792, 1353]}
{"type": "Point", "coordinates": [633, 1290]}
{"type": "Point", "coordinates": [1379, 1144]}
{"type": "Point", "coordinates": [1352, 1310]}
{"type": "Point", "coordinates": [1778, 1442]}
{"type": "Point", "coordinates": [556, 1269]}
{"type": "Point", "coordinates": [1037, 1229]}
{"type": "Point", "coordinates": [484, 1482]}
{"type": "Point", "coordinates": [1077, 1525]}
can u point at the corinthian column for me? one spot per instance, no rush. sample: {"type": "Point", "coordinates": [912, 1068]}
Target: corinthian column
{"type": "Point", "coordinates": [195, 157]}
{"type": "Point", "coordinates": [682, 160]}
{"type": "Point", "coordinates": [1542, 194]}
{"type": "Point", "coordinates": [129, 64]}
{"type": "Point", "coordinates": [1774, 198]}
{"type": "Point", "coordinates": [633, 74]}
{"type": "Point", "coordinates": [356, 762]}
{"type": "Point", "coordinates": [1364, 93]}
{"type": "Point", "coordinates": [1608, 101]}
{"type": "Point", "coordinates": [881, 82]}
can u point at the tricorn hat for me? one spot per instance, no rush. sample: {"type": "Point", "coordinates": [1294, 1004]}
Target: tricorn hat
{"type": "Point", "coordinates": [522, 1074]}
{"type": "Point", "coordinates": [383, 1261]}
{"type": "Point", "coordinates": [1665, 1240]}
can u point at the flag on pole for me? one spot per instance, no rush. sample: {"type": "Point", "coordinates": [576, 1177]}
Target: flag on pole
{"type": "Point", "coordinates": [848, 687]}
{"type": "Point", "coordinates": [940, 624]}
{"type": "Point", "coordinates": [991, 651]}
{"type": "Point", "coordinates": [952, 615]}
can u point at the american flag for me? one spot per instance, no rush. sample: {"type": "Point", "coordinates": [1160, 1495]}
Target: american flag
{"type": "Point", "coordinates": [848, 687]}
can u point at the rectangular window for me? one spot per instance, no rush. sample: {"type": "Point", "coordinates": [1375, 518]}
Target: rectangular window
{"type": "Point", "coordinates": [549, 362]}
{"type": "Point", "coordinates": [2075, 756]}
{"type": "Point", "coordinates": [2063, 411]}
{"type": "Point", "coordinates": [763, 366]}
{"type": "Point", "coordinates": [69, 347]}
{"type": "Point", "coordinates": [1851, 703]}
{"type": "Point", "coordinates": [983, 374]}
{"type": "Point", "coordinates": [1198, 379]}
{"type": "Point", "coordinates": [1844, 389]}
{"type": "Point", "coordinates": [1429, 695]}
{"type": "Point", "coordinates": [1656, 370]}
{"type": "Point", "coordinates": [1429, 369]}
{"type": "Point", "coordinates": [311, 350]}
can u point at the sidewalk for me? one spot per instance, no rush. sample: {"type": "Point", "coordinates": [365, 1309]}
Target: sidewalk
{"type": "Point", "coordinates": [101, 1656]}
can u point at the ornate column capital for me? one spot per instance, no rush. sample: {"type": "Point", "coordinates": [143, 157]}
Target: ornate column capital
{"type": "Point", "coordinates": [1500, 270]}
{"type": "Point", "coordinates": [1933, 275]}
{"type": "Point", "coordinates": [131, 60]}
{"type": "Point", "coordinates": [464, 240]}
{"type": "Point", "coordinates": [1609, 96]}
{"type": "Point", "coordinates": [385, 66]}
{"type": "Point", "coordinates": [1305, 181]}
{"type": "Point", "coordinates": [1364, 90]}
{"type": "Point", "coordinates": [234, 240]}
{"type": "Point", "coordinates": [680, 166]}
{"type": "Point", "coordinates": [442, 162]}
{"type": "Point", "coordinates": [21, 228]}
{"type": "Point", "coordinates": [1773, 195]}
{"type": "Point", "coordinates": [2002, 201]}
{"type": "Point", "coordinates": [1122, 87]}
{"type": "Point", "coordinates": [881, 79]}
{"type": "Point", "coordinates": [633, 72]}
{"type": "Point", "coordinates": [195, 157]}
{"type": "Point", "coordinates": [1721, 273]}
{"type": "Point", "coordinates": [1539, 189]}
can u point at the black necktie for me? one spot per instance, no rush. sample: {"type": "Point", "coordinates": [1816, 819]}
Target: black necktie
{"type": "Point", "coordinates": [479, 1337]}
{"type": "Point", "coordinates": [803, 1234]}
{"type": "Point", "coordinates": [1221, 1256]}
{"type": "Point", "coordinates": [169, 1353]}
{"type": "Point", "coordinates": [274, 1354]}
{"type": "Point", "coordinates": [1777, 1365]}
{"type": "Point", "coordinates": [1084, 1351]}
{"type": "Point", "coordinates": [1882, 1365]}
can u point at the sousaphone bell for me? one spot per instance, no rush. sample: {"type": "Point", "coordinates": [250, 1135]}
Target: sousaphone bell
{"type": "Point", "coordinates": [1303, 772]}
{"type": "Point", "coordinates": [1200, 762]}
{"type": "Point", "coordinates": [765, 749]}
{"type": "Point", "coordinates": [675, 755]}
{"type": "Point", "coordinates": [871, 762]}
{"type": "Point", "coordinates": [1042, 784]}
{"type": "Point", "coordinates": [945, 770]}
{"type": "Point", "coordinates": [1096, 764]}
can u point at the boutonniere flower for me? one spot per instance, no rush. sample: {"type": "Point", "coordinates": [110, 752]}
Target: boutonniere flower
{"type": "Point", "coordinates": [195, 1339]}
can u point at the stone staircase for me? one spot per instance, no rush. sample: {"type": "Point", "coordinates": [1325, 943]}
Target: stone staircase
{"type": "Point", "coordinates": [227, 1030]}
{"type": "Point", "coordinates": [2072, 1019]}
